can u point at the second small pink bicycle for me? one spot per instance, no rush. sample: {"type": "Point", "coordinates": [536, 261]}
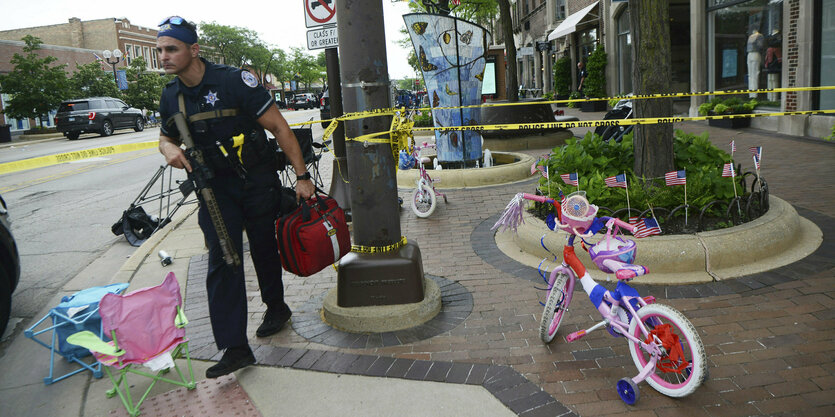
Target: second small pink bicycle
{"type": "Point", "coordinates": [424, 196]}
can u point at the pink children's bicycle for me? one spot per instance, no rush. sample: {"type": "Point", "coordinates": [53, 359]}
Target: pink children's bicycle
{"type": "Point", "coordinates": [424, 196]}
{"type": "Point", "coordinates": [664, 345]}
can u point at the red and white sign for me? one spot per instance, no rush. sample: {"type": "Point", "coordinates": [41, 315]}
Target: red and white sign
{"type": "Point", "coordinates": [319, 12]}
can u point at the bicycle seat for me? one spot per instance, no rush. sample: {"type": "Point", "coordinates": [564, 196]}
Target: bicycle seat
{"type": "Point", "coordinates": [625, 271]}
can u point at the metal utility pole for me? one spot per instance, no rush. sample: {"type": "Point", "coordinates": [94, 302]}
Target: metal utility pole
{"type": "Point", "coordinates": [393, 276]}
{"type": "Point", "coordinates": [339, 187]}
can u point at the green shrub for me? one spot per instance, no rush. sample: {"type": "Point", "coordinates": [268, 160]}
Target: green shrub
{"type": "Point", "coordinates": [424, 120]}
{"type": "Point", "coordinates": [594, 160]}
{"type": "Point", "coordinates": [575, 95]}
{"type": "Point", "coordinates": [595, 84]}
{"type": "Point", "coordinates": [728, 106]}
{"type": "Point", "coordinates": [548, 96]}
{"type": "Point", "coordinates": [832, 136]}
{"type": "Point", "coordinates": [562, 76]}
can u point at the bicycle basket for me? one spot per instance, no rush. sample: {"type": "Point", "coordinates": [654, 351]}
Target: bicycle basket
{"type": "Point", "coordinates": [577, 213]}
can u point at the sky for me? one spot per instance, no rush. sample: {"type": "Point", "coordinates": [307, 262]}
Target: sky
{"type": "Point", "coordinates": [279, 23]}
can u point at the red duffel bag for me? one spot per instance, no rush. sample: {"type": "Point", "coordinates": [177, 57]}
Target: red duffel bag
{"type": "Point", "coordinates": [312, 236]}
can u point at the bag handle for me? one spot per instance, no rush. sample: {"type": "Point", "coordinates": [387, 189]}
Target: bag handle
{"type": "Point", "coordinates": [322, 203]}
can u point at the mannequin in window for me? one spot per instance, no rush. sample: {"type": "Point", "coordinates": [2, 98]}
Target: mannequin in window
{"type": "Point", "coordinates": [773, 64]}
{"type": "Point", "coordinates": [754, 48]}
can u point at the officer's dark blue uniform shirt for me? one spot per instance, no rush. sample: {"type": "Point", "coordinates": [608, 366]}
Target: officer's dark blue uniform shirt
{"type": "Point", "coordinates": [222, 87]}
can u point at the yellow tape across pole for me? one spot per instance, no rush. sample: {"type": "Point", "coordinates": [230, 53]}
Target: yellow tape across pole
{"type": "Point", "coordinates": [375, 137]}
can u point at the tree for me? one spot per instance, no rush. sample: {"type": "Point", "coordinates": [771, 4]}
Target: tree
{"type": "Point", "coordinates": [234, 45]}
{"type": "Point", "coordinates": [144, 87]}
{"type": "Point", "coordinates": [36, 87]}
{"type": "Point", "coordinates": [303, 67]}
{"type": "Point", "coordinates": [651, 73]}
{"type": "Point", "coordinates": [90, 80]}
{"type": "Point", "coordinates": [511, 80]}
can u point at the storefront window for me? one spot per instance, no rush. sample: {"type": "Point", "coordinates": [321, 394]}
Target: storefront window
{"type": "Point", "coordinates": [586, 42]}
{"type": "Point", "coordinates": [745, 46]}
{"type": "Point", "coordinates": [624, 53]}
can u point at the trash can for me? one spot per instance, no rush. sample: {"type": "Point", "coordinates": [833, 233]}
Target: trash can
{"type": "Point", "coordinates": [5, 133]}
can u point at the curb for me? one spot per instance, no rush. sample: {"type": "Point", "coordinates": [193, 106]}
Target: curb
{"type": "Point", "coordinates": [778, 238]}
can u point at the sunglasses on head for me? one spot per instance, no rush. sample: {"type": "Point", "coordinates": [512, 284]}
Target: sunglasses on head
{"type": "Point", "coordinates": [174, 20]}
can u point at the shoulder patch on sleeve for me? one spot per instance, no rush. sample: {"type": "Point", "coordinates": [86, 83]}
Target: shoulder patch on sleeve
{"type": "Point", "coordinates": [249, 79]}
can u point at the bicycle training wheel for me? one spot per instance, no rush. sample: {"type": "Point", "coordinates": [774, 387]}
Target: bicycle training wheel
{"type": "Point", "coordinates": [555, 308]}
{"type": "Point", "coordinates": [682, 370]}
{"type": "Point", "coordinates": [423, 200]}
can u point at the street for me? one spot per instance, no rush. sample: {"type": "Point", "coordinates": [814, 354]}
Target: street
{"type": "Point", "coordinates": [62, 214]}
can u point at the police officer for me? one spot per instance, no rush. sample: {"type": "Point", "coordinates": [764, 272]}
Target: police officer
{"type": "Point", "coordinates": [222, 102]}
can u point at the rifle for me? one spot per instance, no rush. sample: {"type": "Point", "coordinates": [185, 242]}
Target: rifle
{"type": "Point", "coordinates": [200, 175]}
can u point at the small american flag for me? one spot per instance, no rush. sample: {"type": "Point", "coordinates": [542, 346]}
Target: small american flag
{"type": "Point", "coordinates": [570, 179]}
{"type": "Point", "coordinates": [676, 178]}
{"type": "Point", "coordinates": [757, 151]}
{"type": "Point", "coordinates": [98, 58]}
{"type": "Point", "coordinates": [456, 2]}
{"type": "Point", "coordinates": [728, 170]}
{"type": "Point", "coordinates": [733, 147]}
{"type": "Point", "coordinates": [616, 181]}
{"type": "Point", "coordinates": [645, 227]}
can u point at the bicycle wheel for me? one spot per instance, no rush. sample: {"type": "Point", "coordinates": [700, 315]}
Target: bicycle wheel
{"type": "Point", "coordinates": [683, 374]}
{"type": "Point", "coordinates": [555, 308]}
{"type": "Point", "coordinates": [423, 200]}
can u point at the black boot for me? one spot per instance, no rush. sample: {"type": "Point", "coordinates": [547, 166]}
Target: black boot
{"type": "Point", "coordinates": [233, 359]}
{"type": "Point", "coordinates": [274, 320]}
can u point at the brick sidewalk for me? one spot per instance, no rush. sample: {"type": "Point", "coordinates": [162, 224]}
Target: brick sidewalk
{"type": "Point", "coordinates": [771, 343]}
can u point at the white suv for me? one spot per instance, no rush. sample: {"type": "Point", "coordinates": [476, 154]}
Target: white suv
{"type": "Point", "coordinates": [304, 101]}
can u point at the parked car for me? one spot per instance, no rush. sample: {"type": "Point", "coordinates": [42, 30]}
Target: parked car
{"type": "Point", "coordinates": [100, 115]}
{"type": "Point", "coordinates": [304, 101]}
{"type": "Point", "coordinates": [9, 266]}
{"type": "Point", "coordinates": [325, 108]}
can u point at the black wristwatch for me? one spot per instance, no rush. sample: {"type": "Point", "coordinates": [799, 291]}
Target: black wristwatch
{"type": "Point", "coordinates": [305, 176]}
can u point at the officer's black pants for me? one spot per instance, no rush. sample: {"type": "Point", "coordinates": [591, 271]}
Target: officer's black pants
{"type": "Point", "coordinates": [252, 204]}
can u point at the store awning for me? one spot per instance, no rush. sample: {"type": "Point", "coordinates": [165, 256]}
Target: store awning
{"type": "Point", "coordinates": [569, 25]}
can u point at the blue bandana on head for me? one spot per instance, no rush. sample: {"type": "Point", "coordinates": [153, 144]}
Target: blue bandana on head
{"type": "Point", "coordinates": [178, 32]}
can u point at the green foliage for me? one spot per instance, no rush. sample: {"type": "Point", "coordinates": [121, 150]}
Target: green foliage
{"type": "Point", "coordinates": [90, 80]}
{"type": "Point", "coordinates": [233, 44]}
{"type": "Point", "coordinates": [548, 96]}
{"type": "Point", "coordinates": [144, 87]}
{"type": "Point", "coordinates": [595, 84]}
{"type": "Point", "coordinates": [728, 106]}
{"type": "Point", "coordinates": [35, 86]}
{"type": "Point", "coordinates": [574, 95]}
{"type": "Point", "coordinates": [832, 136]}
{"type": "Point", "coordinates": [594, 160]}
{"type": "Point", "coordinates": [424, 120]}
{"type": "Point", "coordinates": [562, 76]}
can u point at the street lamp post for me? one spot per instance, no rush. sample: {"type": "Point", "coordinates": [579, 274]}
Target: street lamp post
{"type": "Point", "coordinates": [117, 56]}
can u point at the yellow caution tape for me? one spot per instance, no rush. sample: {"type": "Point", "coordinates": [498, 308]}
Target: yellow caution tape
{"type": "Point", "coordinates": [61, 158]}
{"type": "Point", "coordinates": [379, 249]}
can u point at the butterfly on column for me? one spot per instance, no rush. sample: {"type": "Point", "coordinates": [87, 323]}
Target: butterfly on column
{"type": "Point", "coordinates": [467, 37]}
{"type": "Point", "coordinates": [480, 76]}
{"type": "Point", "coordinates": [425, 65]}
{"type": "Point", "coordinates": [419, 27]}
{"type": "Point", "coordinates": [435, 99]}
{"type": "Point", "coordinates": [450, 92]}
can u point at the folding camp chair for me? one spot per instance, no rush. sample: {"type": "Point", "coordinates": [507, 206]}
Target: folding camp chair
{"type": "Point", "coordinates": [77, 312]}
{"type": "Point", "coordinates": [148, 328]}
{"type": "Point", "coordinates": [312, 152]}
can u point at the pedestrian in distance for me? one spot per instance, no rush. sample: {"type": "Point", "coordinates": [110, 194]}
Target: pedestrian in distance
{"type": "Point", "coordinates": [581, 76]}
{"type": "Point", "coordinates": [219, 103]}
